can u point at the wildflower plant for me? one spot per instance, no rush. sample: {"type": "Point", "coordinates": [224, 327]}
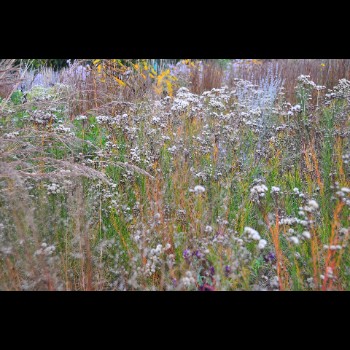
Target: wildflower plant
{"type": "Point", "coordinates": [130, 178]}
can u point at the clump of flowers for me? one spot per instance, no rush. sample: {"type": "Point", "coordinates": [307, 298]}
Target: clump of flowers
{"type": "Point", "coordinates": [198, 189]}
{"type": "Point", "coordinates": [252, 234]}
{"type": "Point", "coordinates": [258, 191]}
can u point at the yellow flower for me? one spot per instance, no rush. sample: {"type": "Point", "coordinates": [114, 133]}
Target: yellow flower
{"type": "Point", "coordinates": [323, 65]}
{"type": "Point", "coordinates": [120, 82]}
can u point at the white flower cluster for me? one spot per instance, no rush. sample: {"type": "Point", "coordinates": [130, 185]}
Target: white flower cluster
{"type": "Point", "coordinates": [45, 250]}
{"type": "Point", "coordinates": [292, 221]}
{"type": "Point", "coordinates": [342, 90]}
{"type": "Point", "coordinates": [262, 244]}
{"type": "Point", "coordinates": [294, 240]}
{"type": "Point", "coordinates": [310, 281]}
{"type": "Point", "coordinates": [41, 117]}
{"type": "Point", "coordinates": [346, 158]}
{"type": "Point", "coordinates": [103, 119]}
{"type": "Point", "coordinates": [81, 117]}
{"type": "Point", "coordinates": [306, 234]}
{"type": "Point", "coordinates": [180, 106]}
{"type": "Point", "coordinates": [112, 120]}
{"type": "Point", "coordinates": [343, 191]}
{"type": "Point", "coordinates": [252, 234]}
{"type": "Point", "coordinates": [198, 189]}
{"type": "Point", "coordinates": [300, 194]}
{"type": "Point", "coordinates": [135, 155]}
{"type": "Point", "coordinates": [216, 104]}
{"type": "Point", "coordinates": [172, 149]}
{"type": "Point", "coordinates": [305, 80]}
{"type": "Point", "coordinates": [53, 188]}
{"type": "Point", "coordinates": [258, 191]}
{"type": "Point", "coordinates": [188, 280]}
{"type": "Point", "coordinates": [275, 189]}
{"type": "Point", "coordinates": [157, 251]}
{"type": "Point", "coordinates": [295, 109]}
{"type": "Point", "coordinates": [343, 194]}
{"type": "Point", "coordinates": [155, 120]}
{"type": "Point", "coordinates": [63, 129]}
{"type": "Point", "coordinates": [312, 206]}
{"type": "Point", "coordinates": [185, 101]}
{"type": "Point", "coordinates": [208, 229]}
{"type": "Point", "coordinates": [344, 231]}
{"type": "Point", "coordinates": [185, 94]}
{"type": "Point", "coordinates": [320, 87]}
{"type": "Point", "coordinates": [274, 282]}
{"type": "Point", "coordinates": [153, 260]}
{"type": "Point", "coordinates": [255, 112]}
{"type": "Point", "coordinates": [11, 135]}
{"type": "Point", "coordinates": [333, 247]}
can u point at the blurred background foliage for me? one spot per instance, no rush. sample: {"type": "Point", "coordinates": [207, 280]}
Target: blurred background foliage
{"type": "Point", "coordinates": [59, 63]}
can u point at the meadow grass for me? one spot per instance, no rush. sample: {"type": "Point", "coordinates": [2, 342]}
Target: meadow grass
{"type": "Point", "coordinates": [238, 187]}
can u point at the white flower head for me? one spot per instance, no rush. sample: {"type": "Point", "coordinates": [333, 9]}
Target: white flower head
{"type": "Point", "coordinates": [275, 189]}
{"type": "Point", "coordinates": [199, 189]}
{"type": "Point", "coordinates": [81, 117]}
{"type": "Point", "coordinates": [208, 229]}
{"type": "Point", "coordinates": [262, 244]}
{"type": "Point", "coordinates": [167, 246]}
{"type": "Point", "coordinates": [252, 234]}
{"type": "Point", "coordinates": [159, 247]}
{"type": "Point", "coordinates": [313, 204]}
{"type": "Point", "coordinates": [306, 234]}
{"type": "Point", "coordinates": [294, 240]}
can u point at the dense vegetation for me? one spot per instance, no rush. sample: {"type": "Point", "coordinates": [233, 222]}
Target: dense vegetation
{"type": "Point", "coordinates": [217, 175]}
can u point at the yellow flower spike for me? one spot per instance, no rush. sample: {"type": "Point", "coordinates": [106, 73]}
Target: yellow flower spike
{"type": "Point", "coordinates": [120, 82]}
{"type": "Point", "coordinates": [169, 88]}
